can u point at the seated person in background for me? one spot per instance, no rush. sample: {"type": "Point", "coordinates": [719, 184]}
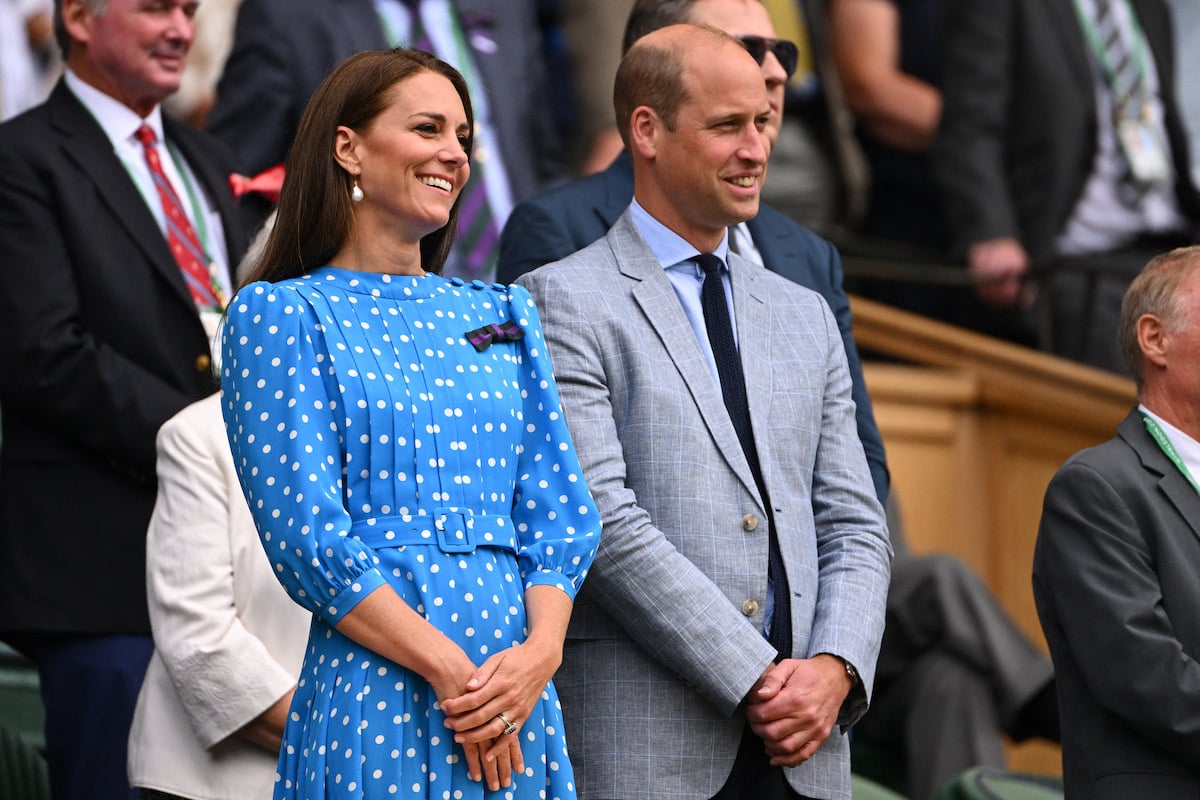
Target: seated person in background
{"type": "Point", "coordinates": [886, 54]}
{"type": "Point", "coordinates": [228, 640]}
{"type": "Point", "coordinates": [1116, 570]}
{"type": "Point", "coordinates": [955, 675]}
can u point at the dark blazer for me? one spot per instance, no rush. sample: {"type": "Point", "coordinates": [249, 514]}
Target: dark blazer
{"type": "Point", "coordinates": [1018, 135]}
{"type": "Point", "coordinates": [1116, 578]}
{"type": "Point", "coordinates": [284, 48]}
{"type": "Point", "coordinates": [100, 342]}
{"type": "Point", "coordinates": [555, 225]}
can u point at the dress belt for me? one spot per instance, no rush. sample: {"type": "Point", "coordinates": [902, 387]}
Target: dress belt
{"type": "Point", "coordinates": [454, 530]}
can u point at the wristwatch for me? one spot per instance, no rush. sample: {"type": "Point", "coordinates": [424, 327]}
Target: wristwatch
{"type": "Point", "coordinates": [851, 672]}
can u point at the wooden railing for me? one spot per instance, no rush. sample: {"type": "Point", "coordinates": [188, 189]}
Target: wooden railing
{"type": "Point", "coordinates": [974, 430]}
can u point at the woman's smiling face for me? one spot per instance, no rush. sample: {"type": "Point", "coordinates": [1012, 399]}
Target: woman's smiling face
{"type": "Point", "coordinates": [413, 159]}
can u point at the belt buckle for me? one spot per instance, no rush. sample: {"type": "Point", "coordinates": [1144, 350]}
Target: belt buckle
{"type": "Point", "coordinates": [452, 532]}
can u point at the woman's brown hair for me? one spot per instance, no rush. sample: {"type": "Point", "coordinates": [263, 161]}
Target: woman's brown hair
{"type": "Point", "coordinates": [315, 215]}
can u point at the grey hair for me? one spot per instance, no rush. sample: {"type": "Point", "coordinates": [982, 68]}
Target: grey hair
{"type": "Point", "coordinates": [1155, 291]}
{"type": "Point", "coordinates": [97, 7]}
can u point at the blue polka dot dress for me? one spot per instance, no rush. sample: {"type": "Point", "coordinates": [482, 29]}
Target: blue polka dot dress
{"type": "Point", "coordinates": [403, 430]}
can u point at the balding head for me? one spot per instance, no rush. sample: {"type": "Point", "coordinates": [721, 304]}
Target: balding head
{"type": "Point", "coordinates": [693, 110]}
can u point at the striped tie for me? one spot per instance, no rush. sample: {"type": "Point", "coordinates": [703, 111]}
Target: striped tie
{"type": "Point", "coordinates": [1124, 75]}
{"type": "Point", "coordinates": [181, 236]}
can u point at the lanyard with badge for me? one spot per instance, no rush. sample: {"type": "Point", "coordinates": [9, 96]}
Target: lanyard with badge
{"type": "Point", "coordinates": [1138, 129]}
{"type": "Point", "coordinates": [1160, 437]}
{"type": "Point", "coordinates": [210, 316]}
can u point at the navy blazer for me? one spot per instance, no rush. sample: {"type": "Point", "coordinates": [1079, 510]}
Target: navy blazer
{"type": "Point", "coordinates": [560, 222]}
{"type": "Point", "coordinates": [100, 343]}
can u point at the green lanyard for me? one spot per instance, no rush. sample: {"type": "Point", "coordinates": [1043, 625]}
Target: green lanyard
{"type": "Point", "coordinates": [193, 201]}
{"type": "Point", "coordinates": [1159, 436]}
{"type": "Point", "coordinates": [1139, 52]}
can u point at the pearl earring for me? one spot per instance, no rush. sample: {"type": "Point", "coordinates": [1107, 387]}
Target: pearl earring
{"type": "Point", "coordinates": [356, 194]}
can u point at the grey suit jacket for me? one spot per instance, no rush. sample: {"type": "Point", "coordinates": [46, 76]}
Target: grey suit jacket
{"type": "Point", "coordinates": [1018, 134]}
{"type": "Point", "coordinates": [554, 225]}
{"type": "Point", "coordinates": [666, 638]}
{"type": "Point", "coordinates": [1116, 578]}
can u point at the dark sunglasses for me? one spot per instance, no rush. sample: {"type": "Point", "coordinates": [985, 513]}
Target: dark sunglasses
{"type": "Point", "coordinates": [787, 52]}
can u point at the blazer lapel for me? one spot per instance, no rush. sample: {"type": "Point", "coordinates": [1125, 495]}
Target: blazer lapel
{"type": "Point", "coordinates": [85, 145]}
{"type": "Point", "coordinates": [754, 330]}
{"type": "Point", "coordinates": [1064, 19]}
{"type": "Point", "coordinates": [655, 296]}
{"type": "Point", "coordinates": [1178, 490]}
{"type": "Point", "coordinates": [777, 246]}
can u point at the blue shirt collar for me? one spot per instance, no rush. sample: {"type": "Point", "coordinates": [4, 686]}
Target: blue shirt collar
{"type": "Point", "coordinates": [669, 247]}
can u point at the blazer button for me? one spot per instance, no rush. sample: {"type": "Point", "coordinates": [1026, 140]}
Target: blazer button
{"type": "Point", "coordinates": [203, 363]}
{"type": "Point", "coordinates": [750, 608]}
{"type": "Point", "coordinates": [749, 522]}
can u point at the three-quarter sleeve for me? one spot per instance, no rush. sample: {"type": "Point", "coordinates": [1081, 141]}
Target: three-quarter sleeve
{"type": "Point", "coordinates": [558, 525]}
{"type": "Point", "coordinates": [280, 403]}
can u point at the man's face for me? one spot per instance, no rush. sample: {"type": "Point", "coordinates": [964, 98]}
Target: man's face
{"type": "Point", "coordinates": [1183, 375]}
{"type": "Point", "coordinates": [134, 50]}
{"type": "Point", "coordinates": [748, 18]}
{"type": "Point", "coordinates": [712, 165]}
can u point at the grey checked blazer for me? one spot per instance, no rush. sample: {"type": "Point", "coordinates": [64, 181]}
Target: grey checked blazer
{"type": "Point", "coordinates": [666, 636]}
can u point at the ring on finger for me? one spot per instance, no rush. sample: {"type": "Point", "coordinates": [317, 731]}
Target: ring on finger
{"type": "Point", "coordinates": [509, 725]}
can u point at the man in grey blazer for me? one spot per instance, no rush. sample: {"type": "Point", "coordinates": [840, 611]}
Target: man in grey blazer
{"type": "Point", "coordinates": [1116, 570]}
{"type": "Point", "coordinates": [669, 684]}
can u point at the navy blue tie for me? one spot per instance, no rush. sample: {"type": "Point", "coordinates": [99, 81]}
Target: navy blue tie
{"type": "Point", "coordinates": [733, 392]}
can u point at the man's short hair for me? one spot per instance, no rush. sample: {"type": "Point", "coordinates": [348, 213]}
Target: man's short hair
{"type": "Point", "coordinates": [97, 7]}
{"type": "Point", "coordinates": [651, 74]}
{"type": "Point", "coordinates": [1155, 291]}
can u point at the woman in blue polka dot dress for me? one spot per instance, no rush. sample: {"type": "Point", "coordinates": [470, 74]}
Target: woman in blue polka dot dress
{"type": "Point", "coordinates": [400, 442]}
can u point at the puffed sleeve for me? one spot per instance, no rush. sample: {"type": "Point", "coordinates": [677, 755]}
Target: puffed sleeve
{"type": "Point", "coordinates": [558, 525]}
{"type": "Point", "coordinates": [280, 402]}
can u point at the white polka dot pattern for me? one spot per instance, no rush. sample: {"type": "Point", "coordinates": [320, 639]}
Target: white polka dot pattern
{"type": "Point", "coordinates": [360, 417]}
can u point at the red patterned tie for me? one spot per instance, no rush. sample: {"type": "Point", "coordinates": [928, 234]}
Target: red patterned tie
{"type": "Point", "coordinates": [181, 236]}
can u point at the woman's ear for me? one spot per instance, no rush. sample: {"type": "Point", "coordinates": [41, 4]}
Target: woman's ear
{"type": "Point", "coordinates": [345, 149]}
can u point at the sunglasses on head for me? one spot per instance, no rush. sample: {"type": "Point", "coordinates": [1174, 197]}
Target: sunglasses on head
{"type": "Point", "coordinates": [787, 52]}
